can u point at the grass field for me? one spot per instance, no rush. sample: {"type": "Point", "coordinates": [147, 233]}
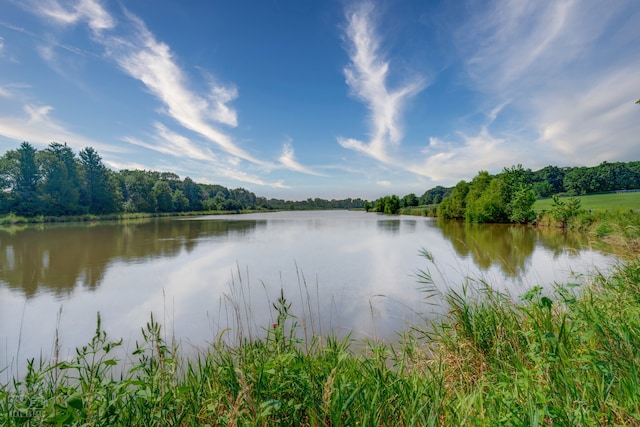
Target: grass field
{"type": "Point", "coordinates": [608, 201]}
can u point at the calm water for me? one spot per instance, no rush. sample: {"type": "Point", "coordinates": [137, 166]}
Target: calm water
{"type": "Point", "coordinates": [341, 270]}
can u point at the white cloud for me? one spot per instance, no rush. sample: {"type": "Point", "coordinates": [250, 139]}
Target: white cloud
{"type": "Point", "coordinates": [144, 58]}
{"type": "Point", "coordinates": [38, 127]}
{"type": "Point", "coordinates": [449, 162]}
{"type": "Point", "coordinates": [141, 56]}
{"type": "Point", "coordinates": [249, 178]}
{"type": "Point", "coordinates": [509, 45]}
{"type": "Point", "coordinates": [128, 165]}
{"type": "Point", "coordinates": [98, 19]}
{"type": "Point", "coordinates": [221, 112]}
{"type": "Point", "coordinates": [89, 11]}
{"type": "Point", "coordinates": [565, 70]}
{"type": "Point", "coordinates": [384, 183]}
{"type": "Point", "coordinates": [589, 123]}
{"type": "Point", "coordinates": [366, 76]}
{"type": "Point", "coordinates": [168, 142]}
{"type": "Point", "coordinates": [288, 159]}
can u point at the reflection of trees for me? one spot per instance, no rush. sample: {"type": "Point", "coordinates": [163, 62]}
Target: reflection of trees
{"type": "Point", "coordinates": [393, 226]}
{"type": "Point", "coordinates": [560, 241]}
{"type": "Point", "coordinates": [58, 257]}
{"type": "Point", "coordinates": [507, 246]}
{"type": "Point", "coordinates": [390, 225]}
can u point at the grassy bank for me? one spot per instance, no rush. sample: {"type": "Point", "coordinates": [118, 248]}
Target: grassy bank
{"type": "Point", "coordinates": [422, 210]}
{"type": "Point", "coordinates": [546, 358]}
{"type": "Point", "coordinates": [12, 219]}
{"type": "Point", "coordinates": [613, 230]}
{"type": "Point", "coordinates": [608, 201]}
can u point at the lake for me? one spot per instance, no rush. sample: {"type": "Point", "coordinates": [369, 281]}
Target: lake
{"type": "Point", "coordinates": [341, 270]}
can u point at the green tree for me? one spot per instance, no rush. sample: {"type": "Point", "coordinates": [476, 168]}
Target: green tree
{"type": "Point", "coordinates": [180, 201]}
{"type": "Point", "coordinates": [577, 181]}
{"type": "Point", "coordinates": [139, 191]}
{"type": "Point", "coordinates": [26, 180]}
{"type": "Point", "coordinates": [562, 211]}
{"type": "Point", "coordinates": [454, 206]}
{"type": "Point", "coordinates": [172, 179]}
{"type": "Point", "coordinates": [61, 184]}
{"type": "Point", "coordinates": [163, 196]}
{"type": "Point", "coordinates": [490, 205]}
{"type": "Point", "coordinates": [521, 205]}
{"type": "Point", "coordinates": [542, 189]}
{"type": "Point", "coordinates": [231, 205]}
{"type": "Point", "coordinates": [247, 200]}
{"type": "Point", "coordinates": [193, 193]}
{"type": "Point", "coordinates": [436, 193]}
{"type": "Point", "coordinates": [6, 180]}
{"type": "Point", "coordinates": [552, 177]}
{"type": "Point", "coordinates": [99, 193]}
{"type": "Point", "coordinates": [392, 205]}
{"type": "Point", "coordinates": [409, 200]}
{"type": "Point", "coordinates": [474, 204]}
{"type": "Point", "coordinates": [518, 196]}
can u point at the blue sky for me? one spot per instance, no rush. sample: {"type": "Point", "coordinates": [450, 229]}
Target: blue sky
{"type": "Point", "coordinates": [331, 99]}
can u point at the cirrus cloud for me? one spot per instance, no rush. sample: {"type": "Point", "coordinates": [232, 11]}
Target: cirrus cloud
{"type": "Point", "coordinates": [366, 76]}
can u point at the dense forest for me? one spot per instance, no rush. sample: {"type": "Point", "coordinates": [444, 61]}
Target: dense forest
{"type": "Point", "coordinates": [56, 182]}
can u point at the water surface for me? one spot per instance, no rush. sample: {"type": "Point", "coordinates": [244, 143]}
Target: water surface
{"type": "Point", "coordinates": [341, 271]}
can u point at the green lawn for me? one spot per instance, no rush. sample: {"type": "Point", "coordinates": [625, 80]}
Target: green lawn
{"type": "Point", "coordinates": [600, 201]}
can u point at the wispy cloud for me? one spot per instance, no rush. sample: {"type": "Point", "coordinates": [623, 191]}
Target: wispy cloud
{"type": "Point", "coordinates": [447, 161]}
{"type": "Point", "coordinates": [144, 58]}
{"type": "Point", "coordinates": [169, 142]}
{"type": "Point", "coordinates": [139, 54]}
{"type": "Point", "coordinates": [507, 43]}
{"type": "Point", "coordinates": [38, 127]}
{"type": "Point", "coordinates": [242, 176]}
{"type": "Point", "coordinates": [5, 93]}
{"type": "Point", "coordinates": [89, 11]}
{"type": "Point", "coordinates": [288, 160]}
{"type": "Point", "coordinates": [586, 125]}
{"type": "Point", "coordinates": [543, 65]}
{"type": "Point", "coordinates": [366, 75]}
{"type": "Point", "coordinates": [125, 165]}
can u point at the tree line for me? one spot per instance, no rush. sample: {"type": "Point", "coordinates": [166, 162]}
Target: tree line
{"type": "Point", "coordinates": [509, 195]}
{"type": "Point", "coordinates": [56, 182]}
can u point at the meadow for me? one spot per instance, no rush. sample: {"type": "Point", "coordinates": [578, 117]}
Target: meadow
{"type": "Point", "coordinates": [608, 201]}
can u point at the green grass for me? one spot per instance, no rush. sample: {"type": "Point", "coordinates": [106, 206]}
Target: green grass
{"type": "Point", "coordinates": [12, 219]}
{"type": "Point", "coordinates": [609, 201]}
{"type": "Point", "coordinates": [565, 357]}
{"type": "Point", "coordinates": [422, 210]}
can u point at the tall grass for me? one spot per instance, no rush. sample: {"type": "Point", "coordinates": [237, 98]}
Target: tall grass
{"type": "Point", "coordinates": [569, 356]}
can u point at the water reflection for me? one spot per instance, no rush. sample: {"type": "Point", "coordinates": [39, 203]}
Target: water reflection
{"type": "Point", "coordinates": [390, 225]}
{"type": "Point", "coordinates": [343, 271]}
{"type": "Point", "coordinates": [509, 247]}
{"type": "Point", "coordinates": [58, 258]}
